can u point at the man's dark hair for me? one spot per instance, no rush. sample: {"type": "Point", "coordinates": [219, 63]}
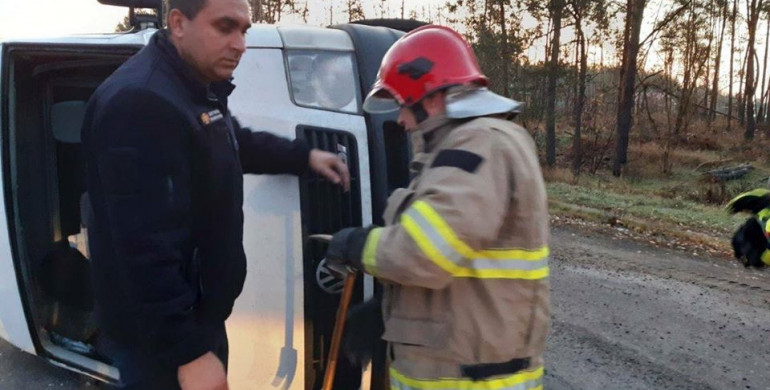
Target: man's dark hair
{"type": "Point", "coordinates": [189, 8]}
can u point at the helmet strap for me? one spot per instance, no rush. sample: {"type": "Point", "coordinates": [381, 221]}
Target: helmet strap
{"type": "Point", "coordinates": [419, 112]}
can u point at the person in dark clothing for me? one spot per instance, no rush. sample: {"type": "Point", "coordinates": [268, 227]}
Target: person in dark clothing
{"type": "Point", "coordinates": [165, 161]}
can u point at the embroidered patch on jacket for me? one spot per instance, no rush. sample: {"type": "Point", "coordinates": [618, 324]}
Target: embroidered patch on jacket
{"type": "Point", "coordinates": [211, 116]}
{"type": "Point", "coordinates": [456, 158]}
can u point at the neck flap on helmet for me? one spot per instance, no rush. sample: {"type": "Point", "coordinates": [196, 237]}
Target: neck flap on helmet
{"type": "Point", "coordinates": [474, 101]}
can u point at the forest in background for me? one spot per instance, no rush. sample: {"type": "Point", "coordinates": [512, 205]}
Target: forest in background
{"type": "Point", "coordinates": [663, 103]}
{"type": "Point", "coordinates": [667, 69]}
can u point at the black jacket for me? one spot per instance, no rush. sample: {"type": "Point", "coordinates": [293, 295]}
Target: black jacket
{"type": "Point", "coordinates": [165, 163]}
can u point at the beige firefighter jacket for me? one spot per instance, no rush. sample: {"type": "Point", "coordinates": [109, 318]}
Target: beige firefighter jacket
{"type": "Point", "coordinates": [464, 258]}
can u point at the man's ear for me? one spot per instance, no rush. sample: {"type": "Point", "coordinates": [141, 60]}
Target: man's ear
{"type": "Point", "coordinates": [435, 103]}
{"type": "Point", "coordinates": [175, 22]}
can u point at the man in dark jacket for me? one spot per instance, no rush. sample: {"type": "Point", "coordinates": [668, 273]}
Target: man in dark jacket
{"type": "Point", "coordinates": [165, 164]}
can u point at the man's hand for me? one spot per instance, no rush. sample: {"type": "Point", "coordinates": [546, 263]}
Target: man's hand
{"type": "Point", "coordinates": [204, 373]}
{"type": "Point", "coordinates": [330, 166]}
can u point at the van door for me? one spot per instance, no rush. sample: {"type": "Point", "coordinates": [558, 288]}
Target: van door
{"type": "Point", "coordinates": [13, 318]}
{"type": "Point", "coordinates": [14, 326]}
{"type": "Point", "coordinates": [46, 300]}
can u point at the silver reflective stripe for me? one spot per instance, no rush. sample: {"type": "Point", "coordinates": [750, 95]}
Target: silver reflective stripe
{"type": "Point", "coordinates": [458, 259]}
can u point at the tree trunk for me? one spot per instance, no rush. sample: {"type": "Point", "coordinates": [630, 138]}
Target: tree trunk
{"type": "Point", "coordinates": [715, 85]}
{"type": "Point", "coordinates": [556, 7]}
{"type": "Point", "coordinates": [751, 124]}
{"type": "Point", "coordinates": [732, 60]}
{"type": "Point", "coordinates": [257, 13]}
{"type": "Point", "coordinates": [634, 15]}
{"type": "Point", "coordinates": [762, 101]}
{"type": "Point", "coordinates": [581, 97]}
{"type": "Point", "coordinates": [506, 59]}
{"type": "Point", "coordinates": [693, 64]}
{"type": "Point", "coordinates": [707, 74]}
{"type": "Point", "coordinates": [741, 95]}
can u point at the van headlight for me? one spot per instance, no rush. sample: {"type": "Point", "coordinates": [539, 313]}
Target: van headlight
{"type": "Point", "coordinates": [324, 79]}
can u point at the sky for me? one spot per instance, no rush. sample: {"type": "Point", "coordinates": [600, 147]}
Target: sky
{"type": "Point", "coordinates": [51, 18]}
{"type": "Point", "coordinates": [46, 18]}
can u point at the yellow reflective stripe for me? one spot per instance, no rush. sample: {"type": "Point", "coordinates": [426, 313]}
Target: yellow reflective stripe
{"type": "Point", "coordinates": [461, 247]}
{"type": "Point", "coordinates": [503, 273]}
{"type": "Point", "coordinates": [522, 380]}
{"type": "Point", "coordinates": [765, 257]}
{"type": "Point", "coordinates": [521, 254]}
{"type": "Point", "coordinates": [424, 244]}
{"type": "Point", "coordinates": [442, 246]}
{"type": "Point", "coordinates": [369, 259]}
{"type": "Point", "coordinates": [762, 218]}
{"type": "Point", "coordinates": [444, 229]}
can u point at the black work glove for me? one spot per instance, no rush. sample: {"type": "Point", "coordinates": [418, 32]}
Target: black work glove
{"type": "Point", "coordinates": [363, 330]}
{"type": "Point", "coordinates": [346, 248]}
{"type": "Point", "coordinates": [749, 243]}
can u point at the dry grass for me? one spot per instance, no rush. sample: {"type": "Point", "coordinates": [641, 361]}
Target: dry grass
{"type": "Point", "coordinates": [559, 174]}
{"type": "Point", "coordinates": [662, 189]}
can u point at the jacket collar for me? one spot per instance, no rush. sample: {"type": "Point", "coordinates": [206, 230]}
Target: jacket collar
{"type": "Point", "coordinates": [433, 130]}
{"type": "Point", "coordinates": [217, 91]}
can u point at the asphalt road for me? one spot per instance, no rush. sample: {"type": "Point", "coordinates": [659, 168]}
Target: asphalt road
{"type": "Point", "coordinates": [630, 316]}
{"type": "Point", "coordinates": [626, 316]}
{"type": "Point", "coordinates": [21, 371]}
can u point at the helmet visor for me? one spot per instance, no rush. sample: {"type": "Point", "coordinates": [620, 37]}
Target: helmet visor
{"type": "Point", "coordinates": [380, 101]}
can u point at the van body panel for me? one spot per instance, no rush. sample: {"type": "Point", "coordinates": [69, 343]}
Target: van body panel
{"type": "Point", "coordinates": [267, 327]}
{"type": "Point", "coordinates": [138, 38]}
{"type": "Point", "coordinates": [263, 35]}
{"type": "Point", "coordinates": [14, 325]}
{"type": "Point", "coordinates": [304, 37]}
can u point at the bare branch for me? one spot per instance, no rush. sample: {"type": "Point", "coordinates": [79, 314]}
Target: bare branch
{"type": "Point", "coordinates": [665, 21]}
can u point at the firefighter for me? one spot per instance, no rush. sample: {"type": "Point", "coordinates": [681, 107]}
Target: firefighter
{"type": "Point", "coordinates": [750, 243]}
{"type": "Point", "coordinates": [463, 257]}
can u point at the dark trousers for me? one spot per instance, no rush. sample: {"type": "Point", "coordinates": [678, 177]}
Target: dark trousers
{"type": "Point", "coordinates": [168, 380]}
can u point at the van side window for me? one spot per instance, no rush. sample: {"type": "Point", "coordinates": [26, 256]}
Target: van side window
{"type": "Point", "coordinates": [324, 79]}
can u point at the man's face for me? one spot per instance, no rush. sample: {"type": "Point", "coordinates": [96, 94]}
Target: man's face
{"type": "Point", "coordinates": [407, 120]}
{"type": "Point", "coordinates": [212, 43]}
{"type": "Point", "coordinates": [433, 104]}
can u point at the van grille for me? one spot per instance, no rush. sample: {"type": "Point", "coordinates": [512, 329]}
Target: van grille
{"type": "Point", "coordinates": [329, 208]}
{"type": "Point", "coordinates": [326, 209]}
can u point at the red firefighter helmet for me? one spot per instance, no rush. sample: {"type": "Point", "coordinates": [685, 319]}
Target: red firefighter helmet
{"type": "Point", "coordinates": [421, 62]}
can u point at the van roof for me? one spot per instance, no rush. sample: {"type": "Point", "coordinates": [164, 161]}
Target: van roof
{"type": "Point", "coordinates": [259, 36]}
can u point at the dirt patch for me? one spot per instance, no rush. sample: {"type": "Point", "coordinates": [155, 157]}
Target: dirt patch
{"type": "Point", "coordinates": [677, 238]}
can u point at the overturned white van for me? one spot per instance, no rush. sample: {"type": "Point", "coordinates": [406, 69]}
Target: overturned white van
{"type": "Point", "coordinates": [294, 81]}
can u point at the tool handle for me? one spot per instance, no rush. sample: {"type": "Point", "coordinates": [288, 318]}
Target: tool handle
{"type": "Point", "coordinates": [339, 328]}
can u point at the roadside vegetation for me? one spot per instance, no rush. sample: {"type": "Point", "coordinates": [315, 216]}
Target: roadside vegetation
{"type": "Point", "coordinates": [675, 195]}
